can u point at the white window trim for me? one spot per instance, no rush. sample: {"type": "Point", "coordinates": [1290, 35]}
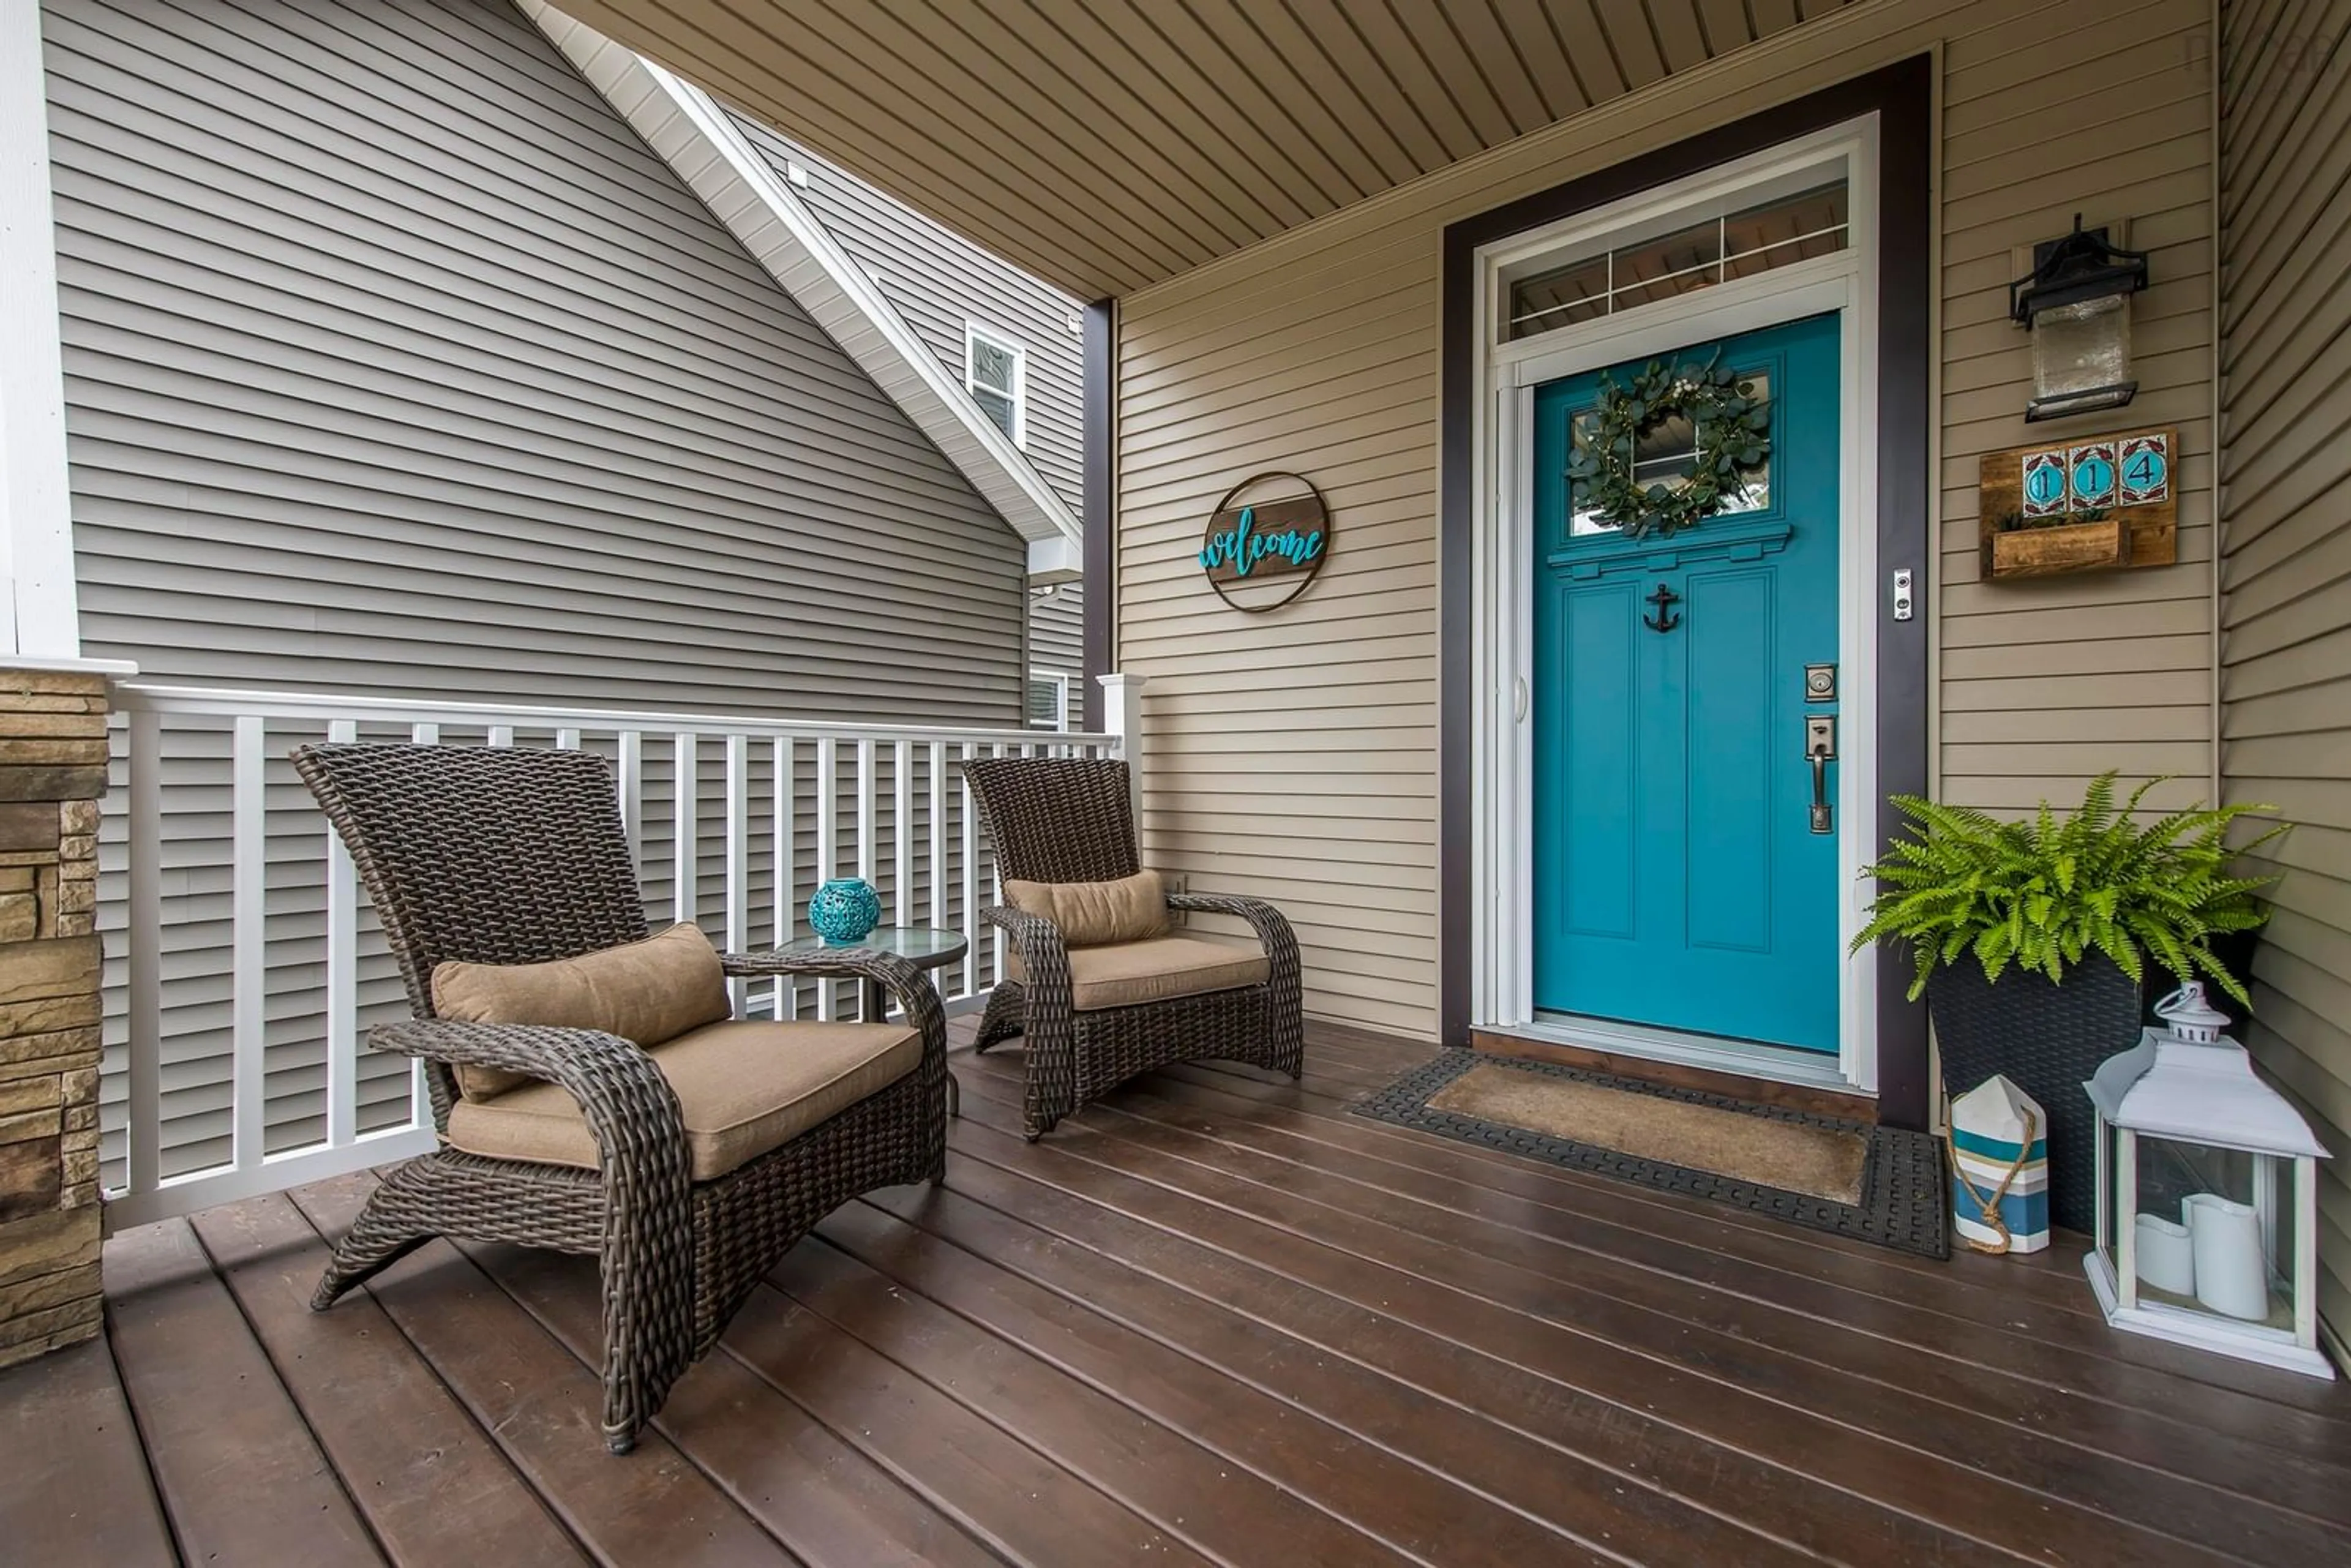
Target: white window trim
{"type": "Point", "coordinates": [1061, 680]}
{"type": "Point", "coordinates": [976, 333]}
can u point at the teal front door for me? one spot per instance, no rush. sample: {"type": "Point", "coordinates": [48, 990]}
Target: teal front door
{"type": "Point", "coordinates": [1682, 878]}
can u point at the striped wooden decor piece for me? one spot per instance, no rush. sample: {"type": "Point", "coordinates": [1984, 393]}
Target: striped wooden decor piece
{"type": "Point", "coordinates": [2000, 1153]}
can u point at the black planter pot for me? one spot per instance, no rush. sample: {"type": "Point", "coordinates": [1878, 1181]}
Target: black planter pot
{"type": "Point", "coordinates": [2048, 1038]}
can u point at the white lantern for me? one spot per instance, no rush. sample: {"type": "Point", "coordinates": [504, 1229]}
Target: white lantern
{"type": "Point", "coordinates": [2208, 1195]}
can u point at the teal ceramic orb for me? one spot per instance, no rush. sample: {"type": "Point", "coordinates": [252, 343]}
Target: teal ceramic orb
{"type": "Point", "coordinates": [844, 911]}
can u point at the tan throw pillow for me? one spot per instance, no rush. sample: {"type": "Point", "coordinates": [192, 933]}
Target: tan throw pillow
{"type": "Point", "coordinates": [647, 991]}
{"type": "Point", "coordinates": [1092, 913]}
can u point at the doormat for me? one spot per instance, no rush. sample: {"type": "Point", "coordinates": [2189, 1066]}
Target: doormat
{"type": "Point", "coordinates": [1876, 1183]}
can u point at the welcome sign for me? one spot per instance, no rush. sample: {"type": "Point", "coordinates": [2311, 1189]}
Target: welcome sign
{"type": "Point", "coordinates": [1265, 541]}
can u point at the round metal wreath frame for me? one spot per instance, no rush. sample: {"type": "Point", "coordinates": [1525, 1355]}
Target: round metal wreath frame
{"type": "Point", "coordinates": [1314, 569]}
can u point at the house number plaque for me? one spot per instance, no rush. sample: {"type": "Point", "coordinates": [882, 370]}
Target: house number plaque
{"type": "Point", "coordinates": [2080, 506]}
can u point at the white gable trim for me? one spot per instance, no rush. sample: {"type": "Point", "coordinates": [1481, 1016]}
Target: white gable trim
{"type": "Point", "coordinates": [696, 137]}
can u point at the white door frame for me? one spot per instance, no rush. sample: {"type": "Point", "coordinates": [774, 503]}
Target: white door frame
{"type": "Point", "coordinates": [1502, 568]}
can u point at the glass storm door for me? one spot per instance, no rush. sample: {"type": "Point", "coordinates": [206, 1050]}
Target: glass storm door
{"type": "Point", "coordinates": [1683, 877]}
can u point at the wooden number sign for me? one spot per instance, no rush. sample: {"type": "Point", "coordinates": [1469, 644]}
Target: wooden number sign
{"type": "Point", "coordinates": [2107, 501]}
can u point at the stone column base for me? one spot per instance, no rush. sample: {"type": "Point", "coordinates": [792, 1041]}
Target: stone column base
{"type": "Point", "coordinates": [52, 771]}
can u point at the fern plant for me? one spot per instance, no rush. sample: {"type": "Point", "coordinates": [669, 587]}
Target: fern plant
{"type": "Point", "coordinates": [2047, 892]}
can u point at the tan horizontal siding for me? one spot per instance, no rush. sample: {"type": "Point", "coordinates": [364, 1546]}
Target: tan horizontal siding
{"type": "Point", "coordinates": [2285, 557]}
{"type": "Point", "coordinates": [1293, 754]}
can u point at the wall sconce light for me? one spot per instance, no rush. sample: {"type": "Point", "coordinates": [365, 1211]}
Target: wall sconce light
{"type": "Point", "coordinates": [2076, 303]}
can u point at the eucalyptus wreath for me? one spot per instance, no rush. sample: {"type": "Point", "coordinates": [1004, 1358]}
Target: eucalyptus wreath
{"type": "Point", "coordinates": [1732, 426]}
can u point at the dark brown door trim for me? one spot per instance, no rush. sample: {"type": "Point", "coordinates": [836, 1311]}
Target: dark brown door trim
{"type": "Point", "coordinates": [1098, 496]}
{"type": "Point", "coordinates": [1902, 96]}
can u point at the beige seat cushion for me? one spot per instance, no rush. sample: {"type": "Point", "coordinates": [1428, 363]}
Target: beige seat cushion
{"type": "Point", "coordinates": [647, 991]}
{"type": "Point", "coordinates": [1090, 913]}
{"type": "Point", "coordinates": [743, 1089]}
{"type": "Point", "coordinates": [1123, 973]}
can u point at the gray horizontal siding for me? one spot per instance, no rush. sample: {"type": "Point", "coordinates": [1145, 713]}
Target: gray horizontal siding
{"type": "Point", "coordinates": [1057, 630]}
{"type": "Point", "coordinates": [396, 363]}
{"type": "Point", "coordinates": [937, 280]}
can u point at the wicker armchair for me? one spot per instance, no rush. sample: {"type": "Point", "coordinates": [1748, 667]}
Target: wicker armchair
{"type": "Point", "coordinates": [518, 856]}
{"type": "Point", "coordinates": [1072, 820]}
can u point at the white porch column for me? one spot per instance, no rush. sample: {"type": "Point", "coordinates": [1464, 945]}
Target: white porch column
{"type": "Point", "coordinates": [1122, 717]}
{"type": "Point", "coordinates": [37, 612]}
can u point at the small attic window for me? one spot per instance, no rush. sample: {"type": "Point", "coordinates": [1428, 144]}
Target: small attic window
{"type": "Point", "coordinates": [995, 373]}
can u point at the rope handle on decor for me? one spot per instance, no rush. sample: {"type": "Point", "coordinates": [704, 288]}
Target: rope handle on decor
{"type": "Point", "coordinates": [1990, 1208]}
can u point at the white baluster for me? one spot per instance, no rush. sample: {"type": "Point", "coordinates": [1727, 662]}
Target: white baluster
{"type": "Point", "coordinates": [902, 832]}
{"type": "Point", "coordinates": [685, 839]}
{"type": "Point", "coordinates": [938, 759]}
{"type": "Point", "coordinates": [630, 785]}
{"type": "Point", "coordinates": [786, 1002]}
{"type": "Point", "coordinates": [738, 853]}
{"type": "Point", "coordinates": [970, 874]}
{"type": "Point", "coordinates": [342, 977]}
{"type": "Point", "coordinates": [996, 890]}
{"type": "Point", "coordinates": [248, 952]}
{"type": "Point", "coordinates": [866, 802]}
{"type": "Point", "coordinates": [827, 838]}
{"type": "Point", "coordinates": [144, 923]}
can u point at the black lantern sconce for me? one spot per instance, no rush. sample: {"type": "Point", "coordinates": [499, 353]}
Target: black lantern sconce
{"type": "Point", "coordinates": [2076, 303]}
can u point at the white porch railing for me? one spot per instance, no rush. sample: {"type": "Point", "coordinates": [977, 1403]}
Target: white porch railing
{"type": "Point", "coordinates": [243, 970]}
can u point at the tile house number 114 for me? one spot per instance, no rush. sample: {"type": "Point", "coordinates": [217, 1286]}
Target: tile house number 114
{"type": "Point", "coordinates": [1266, 541]}
{"type": "Point", "coordinates": [2101, 501]}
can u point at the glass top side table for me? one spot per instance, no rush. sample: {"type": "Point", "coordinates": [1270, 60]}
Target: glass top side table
{"type": "Point", "coordinates": [922, 947]}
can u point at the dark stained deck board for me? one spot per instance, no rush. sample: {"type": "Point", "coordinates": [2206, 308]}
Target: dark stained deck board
{"type": "Point", "coordinates": [2133, 1413]}
{"type": "Point", "coordinates": [1213, 1320]}
{"type": "Point", "coordinates": [1637, 1343]}
{"type": "Point", "coordinates": [1643, 1420]}
{"type": "Point", "coordinates": [2052, 1277]}
{"type": "Point", "coordinates": [1320, 1439]}
{"type": "Point", "coordinates": [431, 1485]}
{"type": "Point", "coordinates": [73, 1483]}
{"type": "Point", "coordinates": [241, 1477]}
{"type": "Point", "coordinates": [828, 1502]}
{"type": "Point", "coordinates": [544, 1408]}
{"type": "Point", "coordinates": [1481, 1416]}
{"type": "Point", "coordinates": [937, 1446]}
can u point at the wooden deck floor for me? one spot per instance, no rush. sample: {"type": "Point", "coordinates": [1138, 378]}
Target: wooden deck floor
{"type": "Point", "coordinates": [1216, 1319]}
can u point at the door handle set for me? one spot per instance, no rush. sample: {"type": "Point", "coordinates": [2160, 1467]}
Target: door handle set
{"type": "Point", "coordinates": [1819, 750]}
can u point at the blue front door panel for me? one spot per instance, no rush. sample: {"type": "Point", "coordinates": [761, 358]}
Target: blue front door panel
{"type": "Point", "coordinates": [1678, 881]}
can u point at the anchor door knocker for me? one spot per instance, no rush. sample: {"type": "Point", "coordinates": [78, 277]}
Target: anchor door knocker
{"type": "Point", "coordinates": [1665, 619]}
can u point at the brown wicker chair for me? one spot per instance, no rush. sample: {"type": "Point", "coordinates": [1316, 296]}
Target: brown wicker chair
{"type": "Point", "coordinates": [518, 856]}
{"type": "Point", "coordinates": [1071, 819]}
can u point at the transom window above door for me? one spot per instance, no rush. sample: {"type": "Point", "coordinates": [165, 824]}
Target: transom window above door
{"type": "Point", "coordinates": [1679, 253]}
{"type": "Point", "coordinates": [995, 373]}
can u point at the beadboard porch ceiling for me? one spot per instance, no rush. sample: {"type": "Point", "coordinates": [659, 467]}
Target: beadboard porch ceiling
{"type": "Point", "coordinates": [1107, 144]}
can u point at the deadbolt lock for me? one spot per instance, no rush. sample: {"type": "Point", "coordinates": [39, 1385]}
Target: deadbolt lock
{"type": "Point", "coordinates": [1820, 682]}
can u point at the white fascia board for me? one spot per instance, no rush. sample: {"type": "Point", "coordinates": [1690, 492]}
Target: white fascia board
{"type": "Point", "coordinates": [694, 135]}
